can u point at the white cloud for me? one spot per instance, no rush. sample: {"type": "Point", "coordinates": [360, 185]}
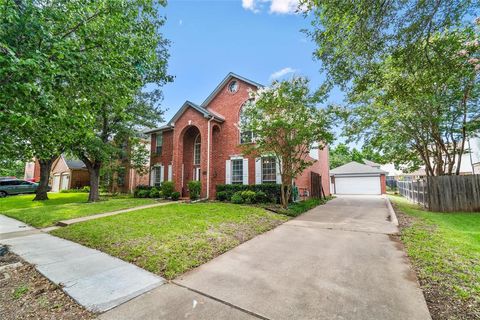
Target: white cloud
{"type": "Point", "coordinates": [250, 5]}
{"type": "Point", "coordinates": [276, 6]}
{"type": "Point", "coordinates": [282, 72]}
{"type": "Point", "coordinates": [180, 22]}
{"type": "Point", "coordinates": [283, 6]}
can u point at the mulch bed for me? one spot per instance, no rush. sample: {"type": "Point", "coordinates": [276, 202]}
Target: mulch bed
{"type": "Point", "coordinates": [441, 304]}
{"type": "Point", "coordinates": [26, 294]}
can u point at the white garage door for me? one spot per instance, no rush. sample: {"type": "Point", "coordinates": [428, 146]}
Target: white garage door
{"type": "Point", "coordinates": [357, 185]}
{"type": "Point", "coordinates": [64, 182]}
{"type": "Point", "coordinates": [56, 183]}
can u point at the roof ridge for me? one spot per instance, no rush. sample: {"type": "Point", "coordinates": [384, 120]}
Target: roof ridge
{"type": "Point", "coordinates": [224, 82]}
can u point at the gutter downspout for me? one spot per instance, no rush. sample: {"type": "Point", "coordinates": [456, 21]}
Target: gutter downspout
{"type": "Point", "coordinates": [208, 158]}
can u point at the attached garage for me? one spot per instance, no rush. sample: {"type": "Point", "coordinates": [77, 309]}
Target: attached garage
{"type": "Point", "coordinates": [357, 179]}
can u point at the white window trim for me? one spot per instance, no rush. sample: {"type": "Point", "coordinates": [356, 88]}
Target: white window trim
{"type": "Point", "coordinates": [195, 151]}
{"type": "Point", "coordinates": [259, 169]}
{"type": "Point", "coordinates": [170, 173]}
{"type": "Point", "coordinates": [231, 170]}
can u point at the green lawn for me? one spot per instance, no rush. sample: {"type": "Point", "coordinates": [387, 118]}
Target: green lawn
{"type": "Point", "coordinates": [62, 206]}
{"type": "Point", "coordinates": [172, 239]}
{"type": "Point", "coordinates": [445, 249]}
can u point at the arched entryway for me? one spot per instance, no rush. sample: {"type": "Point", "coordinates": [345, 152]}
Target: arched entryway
{"type": "Point", "coordinates": [192, 157]}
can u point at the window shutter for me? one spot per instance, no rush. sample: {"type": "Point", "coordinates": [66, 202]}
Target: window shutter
{"type": "Point", "coordinates": [162, 171]}
{"type": "Point", "coordinates": [277, 171]}
{"type": "Point", "coordinates": [258, 170]}
{"type": "Point", "coordinates": [245, 171]}
{"type": "Point", "coordinates": [170, 171]}
{"type": "Point", "coordinates": [152, 176]}
{"type": "Point", "coordinates": [228, 171]}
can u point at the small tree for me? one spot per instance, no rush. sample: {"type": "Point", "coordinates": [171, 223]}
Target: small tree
{"type": "Point", "coordinates": [286, 123]}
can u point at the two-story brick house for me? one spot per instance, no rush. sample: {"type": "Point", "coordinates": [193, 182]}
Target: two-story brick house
{"type": "Point", "coordinates": [203, 142]}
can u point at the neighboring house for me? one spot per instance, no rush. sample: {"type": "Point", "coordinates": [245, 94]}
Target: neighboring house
{"type": "Point", "coordinates": [68, 174]}
{"type": "Point", "coordinates": [202, 142]}
{"type": "Point", "coordinates": [32, 171]}
{"type": "Point", "coordinates": [72, 174]}
{"type": "Point", "coordinates": [125, 177]}
{"type": "Point", "coordinates": [470, 163]}
{"type": "Point", "coordinates": [357, 178]}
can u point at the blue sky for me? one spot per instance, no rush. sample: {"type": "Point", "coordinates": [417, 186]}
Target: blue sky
{"type": "Point", "coordinates": [258, 39]}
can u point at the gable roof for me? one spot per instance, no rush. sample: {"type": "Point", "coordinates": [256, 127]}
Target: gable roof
{"type": "Point", "coordinates": [371, 163]}
{"type": "Point", "coordinates": [202, 110]}
{"type": "Point", "coordinates": [74, 163]}
{"type": "Point", "coordinates": [225, 80]}
{"type": "Point", "coordinates": [355, 168]}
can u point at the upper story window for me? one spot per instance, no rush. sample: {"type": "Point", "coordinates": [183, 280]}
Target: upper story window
{"type": "Point", "coordinates": [233, 86]}
{"type": "Point", "coordinates": [237, 171]}
{"type": "Point", "coordinates": [269, 170]}
{"type": "Point", "coordinates": [196, 150]}
{"type": "Point", "coordinates": [246, 136]}
{"type": "Point", "coordinates": [159, 143]}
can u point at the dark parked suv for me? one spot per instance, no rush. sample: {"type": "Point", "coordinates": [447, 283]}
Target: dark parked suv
{"type": "Point", "coordinates": [15, 186]}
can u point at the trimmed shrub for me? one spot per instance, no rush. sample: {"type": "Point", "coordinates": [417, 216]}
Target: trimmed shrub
{"type": "Point", "coordinates": [261, 197]}
{"type": "Point", "coordinates": [272, 191]}
{"type": "Point", "coordinates": [248, 196]}
{"type": "Point", "coordinates": [175, 195]}
{"type": "Point", "coordinates": [139, 188]}
{"type": "Point", "coordinates": [194, 188]}
{"type": "Point", "coordinates": [237, 198]}
{"type": "Point", "coordinates": [168, 187]}
{"type": "Point", "coordinates": [222, 196]}
{"type": "Point", "coordinates": [155, 193]}
{"type": "Point", "coordinates": [143, 194]}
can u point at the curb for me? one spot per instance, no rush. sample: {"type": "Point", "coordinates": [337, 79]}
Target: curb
{"type": "Point", "coordinates": [393, 216]}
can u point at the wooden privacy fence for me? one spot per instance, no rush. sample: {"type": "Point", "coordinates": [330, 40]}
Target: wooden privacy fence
{"type": "Point", "coordinates": [415, 191]}
{"type": "Point", "coordinates": [316, 184]}
{"type": "Point", "coordinates": [454, 193]}
{"type": "Point", "coordinates": [444, 193]}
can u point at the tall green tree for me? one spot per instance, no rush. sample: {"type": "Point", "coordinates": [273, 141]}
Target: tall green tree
{"type": "Point", "coordinates": [286, 124]}
{"type": "Point", "coordinates": [341, 154]}
{"type": "Point", "coordinates": [412, 88]}
{"type": "Point", "coordinates": [418, 111]}
{"type": "Point", "coordinates": [70, 73]}
{"type": "Point", "coordinates": [352, 36]}
{"type": "Point", "coordinates": [39, 63]}
{"type": "Point", "coordinates": [130, 53]}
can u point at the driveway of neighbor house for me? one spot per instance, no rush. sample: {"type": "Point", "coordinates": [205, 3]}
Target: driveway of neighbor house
{"type": "Point", "coordinates": [337, 261]}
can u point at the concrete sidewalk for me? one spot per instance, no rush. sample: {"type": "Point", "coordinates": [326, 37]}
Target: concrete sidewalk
{"type": "Point", "coordinates": [9, 225]}
{"type": "Point", "coordinates": [92, 278]}
{"type": "Point", "coordinates": [338, 261]}
{"type": "Point", "coordinates": [65, 223]}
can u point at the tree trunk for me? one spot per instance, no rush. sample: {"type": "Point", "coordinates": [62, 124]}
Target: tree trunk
{"type": "Point", "coordinates": [284, 199]}
{"type": "Point", "coordinates": [45, 167]}
{"type": "Point", "coordinates": [94, 172]}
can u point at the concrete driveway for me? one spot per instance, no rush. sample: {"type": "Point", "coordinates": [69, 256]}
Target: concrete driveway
{"type": "Point", "coordinates": [337, 261]}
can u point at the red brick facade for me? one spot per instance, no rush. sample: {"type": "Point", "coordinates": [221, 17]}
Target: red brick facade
{"type": "Point", "coordinates": [216, 121]}
{"type": "Point", "coordinates": [383, 183]}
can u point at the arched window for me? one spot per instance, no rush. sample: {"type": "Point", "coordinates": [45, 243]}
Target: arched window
{"type": "Point", "coordinates": [245, 136]}
{"type": "Point", "coordinates": [196, 150]}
